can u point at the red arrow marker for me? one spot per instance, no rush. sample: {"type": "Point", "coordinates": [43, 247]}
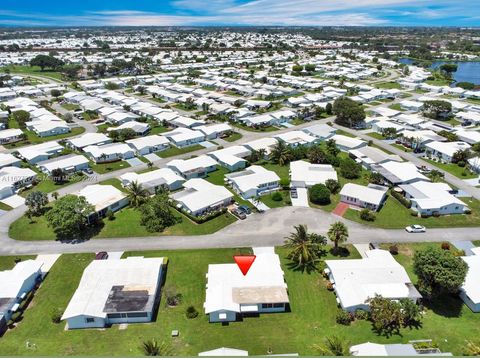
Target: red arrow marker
{"type": "Point", "coordinates": [244, 262]}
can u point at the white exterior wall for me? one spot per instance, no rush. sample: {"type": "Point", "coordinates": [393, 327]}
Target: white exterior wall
{"type": "Point", "coordinates": [215, 316]}
{"type": "Point", "coordinates": [444, 210]}
{"type": "Point", "coordinates": [81, 322]}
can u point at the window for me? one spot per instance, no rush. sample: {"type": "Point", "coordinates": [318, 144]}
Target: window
{"type": "Point", "coordinates": [137, 314]}
{"type": "Point", "coordinates": [89, 320]}
{"type": "Point", "coordinates": [114, 315]}
{"type": "Point", "coordinates": [267, 305]}
{"type": "Point", "coordinates": [278, 305]}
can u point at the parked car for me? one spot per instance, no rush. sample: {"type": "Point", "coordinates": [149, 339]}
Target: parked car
{"type": "Point", "coordinates": [416, 229]}
{"type": "Point", "coordinates": [88, 171]}
{"type": "Point", "coordinates": [239, 214]}
{"type": "Point", "coordinates": [102, 255]}
{"type": "Point", "coordinates": [245, 209]}
{"type": "Point", "coordinates": [294, 193]}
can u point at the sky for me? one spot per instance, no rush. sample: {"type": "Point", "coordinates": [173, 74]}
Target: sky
{"type": "Point", "coordinates": [240, 12]}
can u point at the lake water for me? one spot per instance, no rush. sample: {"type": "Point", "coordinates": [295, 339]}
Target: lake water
{"type": "Point", "coordinates": [467, 71]}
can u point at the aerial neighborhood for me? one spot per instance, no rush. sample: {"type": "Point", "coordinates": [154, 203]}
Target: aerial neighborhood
{"type": "Point", "coordinates": [142, 167]}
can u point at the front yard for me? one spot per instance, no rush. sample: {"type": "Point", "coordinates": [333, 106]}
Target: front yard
{"type": "Point", "coordinates": [173, 151]}
{"type": "Point", "coordinates": [312, 316]}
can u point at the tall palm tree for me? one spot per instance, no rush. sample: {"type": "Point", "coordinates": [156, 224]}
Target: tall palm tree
{"type": "Point", "coordinates": [136, 194]}
{"type": "Point", "coordinates": [338, 233]}
{"type": "Point", "coordinates": [306, 248]}
{"type": "Point", "coordinates": [281, 153]}
{"type": "Point", "coordinates": [153, 348]}
{"type": "Point", "coordinates": [333, 346]}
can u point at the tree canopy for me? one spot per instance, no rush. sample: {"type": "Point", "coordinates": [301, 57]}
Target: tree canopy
{"type": "Point", "coordinates": [349, 113]}
{"type": "Point", "coordinates": [46, 61]}
{"type": "Point", "coordinates": [156, 214]}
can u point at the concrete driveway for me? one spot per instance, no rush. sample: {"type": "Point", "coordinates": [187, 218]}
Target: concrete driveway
{"type": "Point", "coordinates": [134, 162]}
{"type": "Point", "coordinates": [302, 198]}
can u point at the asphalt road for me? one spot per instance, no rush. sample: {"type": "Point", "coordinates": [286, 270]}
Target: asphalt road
{"type": "Point", "coordinates": [267, 229]}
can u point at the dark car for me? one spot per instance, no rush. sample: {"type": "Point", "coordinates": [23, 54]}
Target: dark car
{"type": "Point", "coordinates": [293, 193]}
{"type": "Point", "coordinates": [245, 209]}
{"type": "Point", "coordinates": [102, 255]}
{"type": "Point", "coordinates": [239, 214]}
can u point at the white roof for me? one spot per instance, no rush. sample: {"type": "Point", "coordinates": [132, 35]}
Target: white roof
{"type": "Point", "coordinates": [404, 171]}
{"type": "Point", "coordinates": [311, 174]}
{"type": "Point", "coordinates": [447, 148]}
{"type": "Point", "coordinates": [224, 352]}
{"type": "Point", "coordinates": [471, 286]}
{"type": "Point", "coordinates": [262, 143]}
{"type": "Point", "coordinates": [377, 274]}
{"type": "Point", "coordinates": [13, 280]}
{"type": "Point", "coordinates": [253, 177]}
{"type": "Point", "coordinates": [101, 196]}
{"type": "Point", "coordinates": [46, 148]}
{"type": "Point", "coordinates": [348, 142]}
{"type": "Point", "coordinates": [431, 195]}
{"type": "Point", "coordinates": [364, 193]}
{"type": "Point", "coordinates": [63, 162]}
{"type": "Point", "coordinates": [214, 128]}
{"type": "Point", "coordinates": [89, 139]}
{"type": "Point", "coordinates": [7, 159]}
{"type": "Point", "coordinates": [11, 175]}
{"type": "Point", "coordinates": [101, 275]}
{"type": "Point", "coordinates": [374, 349]}
{"type": "Point", "coordinates": [200, 194]}
{"type": "Point", "coordinates": [107, 149]}
{"type": "Point", "coordinates": [9, 133]}
{"type": "Point", "coordinates": [148, 141]}
{"type": "Point", "coordinates": [138, 127]}
{"type": "Point", "coordinates": [296, 138]}
{"type": "Point", "coordinates": [166, 175]}
{"type": "Point", "coordinates": [224, 280]}
{"type": "Point", "coordinates": [186, 165]}
{"type": "Point", "coordinates": [183, 134]}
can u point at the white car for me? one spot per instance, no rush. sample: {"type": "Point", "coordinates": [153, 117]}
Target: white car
{"type": "Point", "coordinates": [415, 228]}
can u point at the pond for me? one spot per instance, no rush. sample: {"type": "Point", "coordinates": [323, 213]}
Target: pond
{"type": "Point", "coordinates": [467, 71]}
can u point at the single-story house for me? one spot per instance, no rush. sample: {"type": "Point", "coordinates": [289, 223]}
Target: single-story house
{"type": "Point", "coordinates": [14, 178]}
{"type": "Point", "coordinates": [149, 144]}
{"type": "Point", "coordinates": [254, 181]}
{"type": "Point", "coordinates": [184, 137]}
{"type": "Point", "coordinates": [399, 172]}
{"type": "Point", "coordinates": [109, 152]}
{"type": "Point", "coordinates": [305, 175]}
{"type": "Point", "coordinates": [71, 163]}
{"type": "Point", "coordinates": [395, 350]}
{"type": "Point", "coordinates": [378, 273]}
{"type": "Point", "coordinates": [151, 181]}
{"type": "Point", "coordinates": [266, 144]}
{"type": "Point", "coordinates": [297, 138]}
{"type": "Point", "coordinates": [48, 128]}
{"type": "Point", "coordinates": [197, 167]}
{"type": "Point", "coordinates": [370, 197]}
{"type": "Point", "coordinates": [10, 135]}
{"type": "Point", "coordinates": [346, 143]}
{"type": "Point", "coordinates": [368, 156]}
{"type": "Point", "coordinates": [114, 292]}
{"type": "Point", "coordinates": [215, 130]}
{"type": "Point", "coordinates": [138, 127]}
{"type": "Point", "coordinates": [201, 197]}
{"type": "Point", "coordinates": [230, 294]}
{"type": "Point", "coordinates": [40, 152]}
{"type": "Point", "coordinates": [470, 290]}
{"type": "Point", "coordinates": [232, 157]}
{"type": "Point", "coordinates": [103, 198]}
{"type": "Point", "coordinates": [88, 139]}
{"type": "Point", "coordinates": [9, 160]}
{"type": "Point", "coordinates": [433, 198]}
{"type": "Point", "coordinates": [321, 131]}
{"type": "Point", "coordinates": [445, 150]}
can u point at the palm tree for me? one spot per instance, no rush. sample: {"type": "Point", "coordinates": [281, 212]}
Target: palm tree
{"type": "Point", "coordinates": [333, 346]}
{"type": "Point", "coordinates": [472, 349]}
{"type": "Point", "coordinates": [136, 194]}
{"type": "Point", "coordinates": [338, 233]}
{"type": "Point", "coordinates": [281, 153]}
{"type": "Point", "coordinates": [153, 348]}
{"type": "Point", "coordinates": [306, 248]}
{"type": "Point", "coordinates": [435, 175]}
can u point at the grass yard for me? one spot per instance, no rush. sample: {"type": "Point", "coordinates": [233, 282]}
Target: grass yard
{"type": "Point", "coordinates": [459, 172]}
{"type": "Point", "coordinates": [8, 262]}
{"type": "Point", "coordinates": [438, 82]}
{"type": "Point", "coordinates": [388, 85]}
{"type": "Point", "coordinates": [125, 224]}
{"type": "Point", "coordinates": [35, 71]}
{"type": "Point", "coordinates": [102, 168]}
{"type": "Point", "coordinates": [346, 134]}
{"type": "Point", "coordinates": [173, 151]}
{"type": "Point", "coordinates": [252, 129]}
{"type": "Point", "coordinates": [157, 130]}
{"type": "Point", "coordinates": [5, 207]}
{"type": "Point", "coordinates": [282, 171]}
{"type": "Point", "coordinates": [70, 106]}
{"type": "Point", "coordinates": [396, 107]}
{"type": "Point", "coordinates": [233, 137]}
{"type": "Point", "coordinates": [312, 316]}
{"type": "Point", "coordinates": [47, 185]}
{"type": "Point", "coordinates": [394, 215]}
{"type": "Point", "coordinates": [376, 135]}
{"type": "Point", "coordinates": [268, 199]}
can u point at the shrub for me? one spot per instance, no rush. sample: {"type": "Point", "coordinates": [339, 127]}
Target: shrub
{"type": "Point", "coordinates": [461, 164]}
{"type": "Point", "coordinates": [445, 246]}
{"type": "Point", "coordinates": [344, 317]}
{"type": "Point", "coordinates": [367, 215]}
{"type": "Point", "coordinates": [333, 186]}
{"type": "Point", "coordinates": [277, 196]}
{"type": "Point", "coordinates": [393, 249]}
{"type": "Point", "coordinates": [330, 286]}
{"type": "Point", "coordinates": [403, 200]}
{"type": "Point", "coordinates": [436, 214]}
{"type": "Point", "coordinates": [284, 183]}
{"type": "Point", "coordinates": [319, 194]}
{"type": "Point", "coordinates": [173, 298]}
{"type": "Point", "coordinates": [110, 215]}
{"type": "Point", "coordinates": [349, 169]}
{"type": "Point", "coordinates": [56, 316]}
{"type": "Point", "coordinates": [191, 312]}
{"type": "Point", "coordinates": [361, 315]}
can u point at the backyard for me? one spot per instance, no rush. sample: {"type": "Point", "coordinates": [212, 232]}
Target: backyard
{"type": "Point", "coordinates": [312, 316]}
{"type": "Point", "coordinates": [173, 151]}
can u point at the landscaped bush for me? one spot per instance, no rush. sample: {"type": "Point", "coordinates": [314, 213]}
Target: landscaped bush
{"type": "Point", "coordinates": [367, 215]}
{"type": "Point", "coordinates": [445, 246]}
{"type": "Point", "coordinates": [393, 249]}
{"type": "Point", "coordinates": [110, 215]}
{"type": "Point", "coordinates": [277, 196]}
{"type": "Point", "coordinates": [191, 312]}
{"type": "Point", "coordinates": [361, 315]}
{"type": "Point", "coordinates": [330, 286]}
{"type": "Point", "coordinates": [285, 183]}
{"type": "Point", "coordinates": [333, 186]}
{"type": "Point", "coordinates": [404, 201]}
{"type": "Point", "coordinates": [173, 298]}
{"type": "Point", "coordinates": [344, 317]}
{"type": "Point", "coordinates": [319, 194]}
{"type": "Point", "coordinates": [56, 316]}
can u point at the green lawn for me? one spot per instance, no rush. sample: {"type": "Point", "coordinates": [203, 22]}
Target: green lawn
{"type": "Point", "coordinates": [158, 129]}
{"type": "Point", "coordinates": [233, 137]}
{"type": "Point", "coordinates": [183, 107]}
{"type": "Point", "coordinates": [70, 106]}
{"type": "Point", "coordinates": [459, 172]}
{"type": "Point", "coordinates": [47, 185]}
{"type": "Point", "coordinates": [282, 171]}
{"type": "Point", "coordinates": [268, 200]}
{"type": "Point", "coordinates": [438, 82]}
{"type": "Point", "coordinates": [126, 224]}
{"type": "Point", "coordinates": [346, 134]}
{"type": "Point", "coordinates": [173, 151]}
{"type": "Point", "coordinates": [5, 207]}
{"type": "Point", "coordinates": [394, 215]}
{"type": "Point", "coordinates": [32, 138]}
{"type": "Point", "coordinates": [397, 107]}
{"type": "Point", "coordinates": [252, 129]}
{"type": "Point", "coordinates": [102, 168]}
{"type": "Point", "coordinates": [376, 135]}
{"type": "Point", "coordinates": [388, 85]}
{"type": "Point", "coordinates": [312, 316]}
{"type": "Point", "coordinates": [35, 71]}
{"type": "Point", "coordinates": [8, 262]}
{"type": "Point", "coordinates": [114, 182]}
